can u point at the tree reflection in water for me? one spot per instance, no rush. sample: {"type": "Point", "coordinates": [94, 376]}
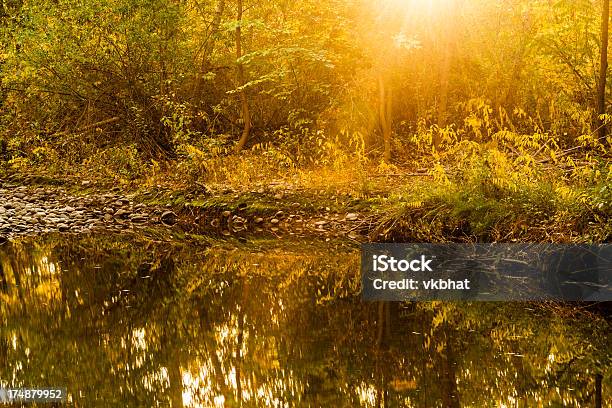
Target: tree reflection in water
{"type": "Point", "coordinates": [127, 322]}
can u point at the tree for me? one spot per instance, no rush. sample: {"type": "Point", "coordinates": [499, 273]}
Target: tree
{"type": "Point", "coordinates": [447, 16]}
{"type": "Point", "coordinates": [208, 48]}
{"type": "Point", "coordinates": [244, 103]}
{"type": "Point", "coordinates": [387, 47]}
{"type": "Point", "coordinates": [385, 105]}
{"type": "Point", "coordinates": [603, 68]}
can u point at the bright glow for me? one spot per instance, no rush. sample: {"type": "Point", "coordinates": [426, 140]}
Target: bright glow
{"type": "Point", "coordinates": [417, 7]}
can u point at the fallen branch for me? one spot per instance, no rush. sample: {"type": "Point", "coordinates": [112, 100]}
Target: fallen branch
{"type": "Point", "coordinates": [401, 174]}
{"type": "Point", "coordinates": [90, 126]}
{"type": "Point", "coordinates": [568, 151]}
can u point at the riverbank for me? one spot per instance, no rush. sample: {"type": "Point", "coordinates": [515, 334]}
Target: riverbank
{"type": "Point", "coordinates": [393, 208]}
{"type": "Point", "coordinates": [52, 205]}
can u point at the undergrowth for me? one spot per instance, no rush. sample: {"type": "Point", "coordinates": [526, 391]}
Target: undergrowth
{"type": "Point", "coordinates": [492, 196]}
{"type": "Point", "coordinates": [481, 184]}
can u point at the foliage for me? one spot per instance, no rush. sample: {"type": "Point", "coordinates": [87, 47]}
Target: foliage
{"type": "Point", "coordinates": [494, 99]}
{"type": "Point", "coordinates": [490, 194]}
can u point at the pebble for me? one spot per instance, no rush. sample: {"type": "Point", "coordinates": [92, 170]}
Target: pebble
{"type": "Point", "coordinates": [168, 218]}
{"type": "Point", "coordinates": [26, 210]}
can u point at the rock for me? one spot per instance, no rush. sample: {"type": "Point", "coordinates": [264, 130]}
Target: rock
{"type": "Point", "coordinates": [121, 213]}
{"type": "Point", "coordinates": [136, 215]}
{"type": "Point", "coordinates": [63, 227]}
{"type": "Point", "coordinates": [168, 218]}
{"type": "Point", "coordinates": [28, 211]}
{"type": "Point", "coordinates": [351, 217]}
{"type": "Point", "coordinates": [139, 217]}
{"type": "Point", "coordinates": [274, 221]}
{"type": "Point", "coordinates": [259, 220]}
{"type": "Point", "coordinates": [122, 202]}
{"type": "Point", "coordinates": [279, 214]}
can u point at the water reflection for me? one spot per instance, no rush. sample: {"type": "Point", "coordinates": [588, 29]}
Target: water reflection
{"type": "Point", "coordinates": [127, 322]}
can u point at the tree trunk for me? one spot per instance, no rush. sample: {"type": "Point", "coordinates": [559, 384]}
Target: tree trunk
{"type": "Point", "coordinates": [384, 110]}
{"type": "Point", "coordinates": [450, 395]}
{"type": "Point", "coordinates": [444, 69]}
{"type": "Point", "coordinates": [246, 115]}
{"type": "Point", "coordinates": [598, 378]}
{"type": "Point", "coordinates": [383, 332]}
{"type": "Point", "coordinates": [209, 47]}
{"type": "Point", "coordinates": [175, 377]}
{"type": "Point", "coordinates": [603, 69]}
{"type": "Point", "coordinates": [239, 357]}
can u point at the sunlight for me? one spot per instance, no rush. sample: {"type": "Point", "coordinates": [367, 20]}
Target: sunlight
{"type": "Point", "coordinates": [417, 7]}
{"type": "Point", "coordinates": [196, 199]}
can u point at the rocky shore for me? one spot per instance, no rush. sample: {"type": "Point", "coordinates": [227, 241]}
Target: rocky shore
{"type": "Point", "coordinates": [34, 210]}
{"type": "Point", "coordinates": [26, 210]}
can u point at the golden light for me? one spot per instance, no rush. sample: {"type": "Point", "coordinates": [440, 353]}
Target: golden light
{"type": "Point", "coordinates": [429, 8]}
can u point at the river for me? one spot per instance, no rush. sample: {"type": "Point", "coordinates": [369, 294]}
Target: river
{"type": "Point", "coordinates": [128, 320]}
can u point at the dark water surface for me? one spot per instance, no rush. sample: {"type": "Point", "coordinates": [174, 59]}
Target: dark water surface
{"type": "Point", "coordinates": [122, 321]}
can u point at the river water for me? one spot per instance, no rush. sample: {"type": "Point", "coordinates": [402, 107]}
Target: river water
{"type": "Point", "coordinates": [131, 321]}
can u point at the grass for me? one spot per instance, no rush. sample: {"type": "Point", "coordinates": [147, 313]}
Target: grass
{"type": "Point", "coordinates": [474, 209]}
{"type": "Point", "coordinates": [487, 195]}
